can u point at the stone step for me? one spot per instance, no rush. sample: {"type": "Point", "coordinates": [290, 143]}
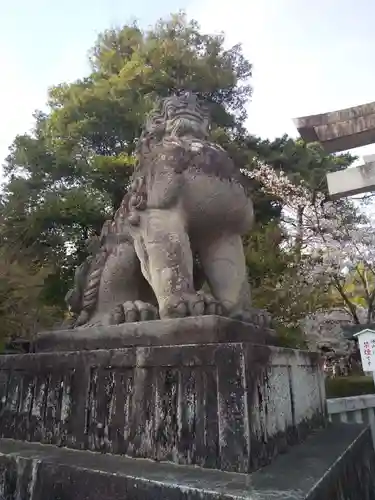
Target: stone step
{"type": "Point", "coordinates": [332, 461]}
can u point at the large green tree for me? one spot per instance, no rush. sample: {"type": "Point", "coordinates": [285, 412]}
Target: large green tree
{"type": "Point", "coordinates": [70, 174]}
{"type": "Point", "coordinates": [23, 309]}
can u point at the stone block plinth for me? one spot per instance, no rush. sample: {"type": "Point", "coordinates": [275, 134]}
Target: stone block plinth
{"type": "Point", "coordinates": [191, 330]}
{"type": "Point", "coordinates": [208, 401]}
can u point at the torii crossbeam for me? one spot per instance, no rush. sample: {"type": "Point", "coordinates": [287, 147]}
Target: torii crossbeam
{"type": "Point", "coordinates": [339, 131]}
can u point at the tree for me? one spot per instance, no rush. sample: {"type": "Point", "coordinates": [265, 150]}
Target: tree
{"type": "Point", "coordinates": [22, 309]}
{"type": "Point", "coordinates": [333, 244]}
{"type": "Point", "coordinates": [71, 173]}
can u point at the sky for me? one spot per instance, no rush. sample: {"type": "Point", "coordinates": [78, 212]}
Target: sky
{"type": "Point", "coordinates": [308, 57]}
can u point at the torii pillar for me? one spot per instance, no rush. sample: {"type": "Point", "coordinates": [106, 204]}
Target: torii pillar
{"type": "Point", "coordinates": [339, 131]}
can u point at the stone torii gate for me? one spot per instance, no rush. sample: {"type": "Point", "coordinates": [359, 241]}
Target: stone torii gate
{"type": "Point", "coordinates": [339, 131]}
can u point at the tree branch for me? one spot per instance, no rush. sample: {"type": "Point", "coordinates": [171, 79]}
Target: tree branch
{"type": "Point", "coordinates": [350, 305]}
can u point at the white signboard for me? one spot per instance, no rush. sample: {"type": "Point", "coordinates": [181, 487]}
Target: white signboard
{"type": "Point", "coordinates": [366, 340]}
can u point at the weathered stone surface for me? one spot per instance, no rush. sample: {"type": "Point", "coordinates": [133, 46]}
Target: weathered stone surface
{"type": "Point", "coordinates": [335, 464]}
{"type": "Point", "coordinates": [340, 130]}
{"type": "Point", "coordinates": [352, 181]}
{"type": "Point", "coordinates": [180, 225]}
{"type": "Point", "coordinates": [230, 406]}
{"type": "Point", "coordinates": [191, 330]}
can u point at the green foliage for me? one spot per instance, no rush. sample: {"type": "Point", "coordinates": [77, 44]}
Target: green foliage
{"type": "Point", "coordinates": [289, 336]}
{"type": "Point", "coordinates": [22, 308]}
{"type": "Point", "coordinates": [70, 174]}
{"type": "Point", "coordinates": [341, 387]}
{"type": "Point", "coordinates": [301, 161]}
{"type": "Point", "coordinates": [356, 289]}
{"type": "Point", "coordinates": [265, 266]}
{"type": "Point", "coordinates": [274, 264]}
{"type": "Point", "coordinates": [277, 285]}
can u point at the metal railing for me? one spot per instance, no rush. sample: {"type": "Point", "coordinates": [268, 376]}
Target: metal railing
{"type": "Point", "coordinates": [354, 409]}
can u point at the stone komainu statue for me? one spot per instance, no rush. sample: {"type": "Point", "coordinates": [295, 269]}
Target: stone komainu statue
{"type": "Point", "coordinates": [187, 199]}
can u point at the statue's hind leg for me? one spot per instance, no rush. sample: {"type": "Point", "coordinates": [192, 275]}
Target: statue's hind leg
{"type": "Point", "coordinates": [223, 260]}
{"type": "Point", "coordinates": [124, 295]}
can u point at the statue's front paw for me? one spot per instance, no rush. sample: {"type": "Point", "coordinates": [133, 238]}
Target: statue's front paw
{"type": "Point", "coordinates": [259, 317]}
{"type": "Point", "coordinates": [195, 304]}
{"type": "Point", "coordinates": [131, 312]}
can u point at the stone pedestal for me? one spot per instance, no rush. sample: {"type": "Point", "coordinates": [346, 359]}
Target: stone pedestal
{"type": "Point", "coordinates": [218, 404]}
{"type": "Point", "coordinates": [207, 392]}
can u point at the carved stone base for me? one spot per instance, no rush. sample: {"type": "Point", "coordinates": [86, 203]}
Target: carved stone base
{"type": "Point", "coordinates": [217, 404]}
{"type": "Point", "coordinates": [190, 330]}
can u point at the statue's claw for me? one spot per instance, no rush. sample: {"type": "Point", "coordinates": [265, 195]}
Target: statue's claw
{"type": "Point", "coordinates": [131, 312]}
{"type": "Point", "coordinates": [195, 304]}
{"type": "Point", "coordinates": [257, 317]}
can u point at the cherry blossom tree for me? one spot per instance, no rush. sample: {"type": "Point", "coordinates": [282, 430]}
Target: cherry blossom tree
{"type": "Point", "coordinates": [332, 244]}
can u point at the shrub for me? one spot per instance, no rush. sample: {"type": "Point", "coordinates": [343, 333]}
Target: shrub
{"type": "Point", "coordinates": [341, 387]}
